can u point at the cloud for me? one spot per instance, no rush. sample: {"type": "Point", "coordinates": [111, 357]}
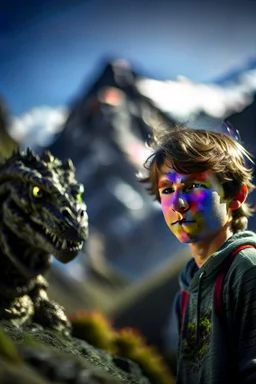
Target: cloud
{"type": "Point", "coordinates": [184, 99]}
{"type": "Point", "coordinates": [39, 126]}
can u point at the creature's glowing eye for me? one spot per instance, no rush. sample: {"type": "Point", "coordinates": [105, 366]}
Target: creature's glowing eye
{"type": "Point", "coordinates": [37, 192]}
{"type": "Point", "coordinates": [79, 197]}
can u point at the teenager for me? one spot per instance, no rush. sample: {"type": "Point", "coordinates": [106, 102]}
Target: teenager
{"type": "Point", "coordinates": [202, 180]}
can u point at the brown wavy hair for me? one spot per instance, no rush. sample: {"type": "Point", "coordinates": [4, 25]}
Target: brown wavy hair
{"type": "Point", "coordinates": [188, 150]}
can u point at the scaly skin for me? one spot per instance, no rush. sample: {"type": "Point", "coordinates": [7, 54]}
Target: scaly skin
{"type": "Point", "coordinates": [41, 214]}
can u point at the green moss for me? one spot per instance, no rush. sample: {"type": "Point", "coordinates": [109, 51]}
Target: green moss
{"type": "Point", "coordinates": [8, 350]}
{"type": "Point", "coordinates": [132, 345]}
{"type": "Point", "coordinates": [93, 327]}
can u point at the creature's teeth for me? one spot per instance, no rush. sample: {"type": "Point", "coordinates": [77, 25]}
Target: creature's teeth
{"type": "Point", "coordinates": [64, 244]}
{"type": "Point", "coordinates": [54, 238]}
{"type": "Point", "coordinates": [58, 244]}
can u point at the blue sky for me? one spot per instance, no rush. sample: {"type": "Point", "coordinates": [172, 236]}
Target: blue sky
{"type": "Point", "coordinates": [51, 50]}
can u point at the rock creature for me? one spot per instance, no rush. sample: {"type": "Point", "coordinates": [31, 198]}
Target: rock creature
{"type": "Point", "coordinates": [42, 213]}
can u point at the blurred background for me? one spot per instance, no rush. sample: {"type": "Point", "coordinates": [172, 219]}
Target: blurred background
{"type": "Point", "coordinates": [88, 80]}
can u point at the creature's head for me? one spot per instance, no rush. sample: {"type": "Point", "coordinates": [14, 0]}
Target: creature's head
{"type": "Point", "coordinates": [41, 204]}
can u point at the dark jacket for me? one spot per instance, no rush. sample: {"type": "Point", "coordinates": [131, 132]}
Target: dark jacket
{"type": "Point", "coordinates": [212, 350]}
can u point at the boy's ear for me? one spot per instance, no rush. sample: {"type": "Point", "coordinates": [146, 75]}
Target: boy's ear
{"type": "Point", "coordinates": [239, 198]}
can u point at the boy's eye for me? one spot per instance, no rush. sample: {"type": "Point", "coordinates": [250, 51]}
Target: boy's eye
{"type": "Point", "coordinates": [187, 188]}
{"type": "Point", "coordinates": [194, 186]}
{"type": "Point", "coordinates": [167, 191]}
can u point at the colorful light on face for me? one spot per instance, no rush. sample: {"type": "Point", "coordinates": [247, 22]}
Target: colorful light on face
{"type": "Point", "coordinates": [193, 205]}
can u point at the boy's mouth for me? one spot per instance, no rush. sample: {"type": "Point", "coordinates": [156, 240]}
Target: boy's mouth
{"type": "Point", "coordinates": [182, 221]}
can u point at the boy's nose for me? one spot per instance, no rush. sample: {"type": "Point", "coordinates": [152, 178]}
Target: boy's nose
{"type": "Point", "coordinates": [180, 205]}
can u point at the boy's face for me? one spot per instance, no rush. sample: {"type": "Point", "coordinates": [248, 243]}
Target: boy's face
{"type": "Point", "coordinates": [193, 205]}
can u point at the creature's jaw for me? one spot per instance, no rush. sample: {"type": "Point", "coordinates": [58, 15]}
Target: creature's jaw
{"type": "Point", "coordinates": [66, 256]}
{"type": "Point", "coordinates": [64, 246]}
{"type": "Point", "coordinates": [32, 238]}
{"type": "Point", "coordinates": [61, 240]}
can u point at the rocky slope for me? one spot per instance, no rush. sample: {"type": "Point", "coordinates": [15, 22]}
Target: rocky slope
{"type": "Point", "coordinates": [34, 355]}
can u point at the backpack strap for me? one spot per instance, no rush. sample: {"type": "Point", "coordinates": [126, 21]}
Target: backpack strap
{"type": "Point", "coordinates": [184, 297]}
{"type": "Point", "coordinates": [183, 301]}
{"type": "Point", "coordinates": [218, 287]}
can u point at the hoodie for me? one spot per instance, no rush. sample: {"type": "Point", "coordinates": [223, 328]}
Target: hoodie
{"type": "Point", "coordinates": [210, 351]}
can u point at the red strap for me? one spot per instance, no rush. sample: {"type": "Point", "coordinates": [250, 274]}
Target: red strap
{"type": "Point", "coordinates": [218, 288]}
{"type": "Point", "coordinates": [184, 296]}
{"type": "Point", "coordinates": [184, 301]}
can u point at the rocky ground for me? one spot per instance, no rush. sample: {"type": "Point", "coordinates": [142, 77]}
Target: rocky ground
{"type": "Point", "coordinates": [34, 355]}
